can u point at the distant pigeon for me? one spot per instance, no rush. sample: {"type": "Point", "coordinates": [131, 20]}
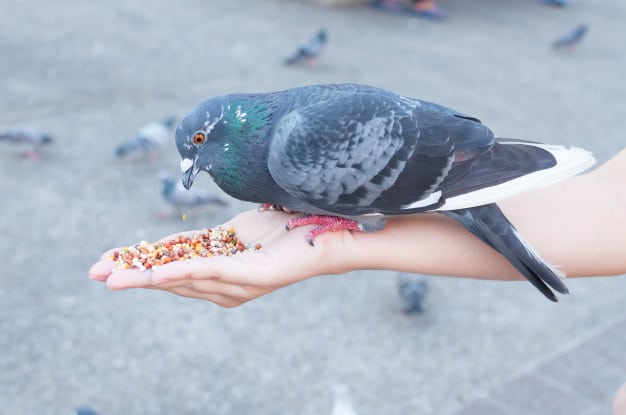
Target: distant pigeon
{"type": "Point", "coordinates": [412, 289]}
{"type": "Point", "coordinates": [176, 196]}
{"type": "Point", "coordinates": [29, 138]}
{"type": "Point", "coordinates": [558, 3]}
{"type": "Point", "coordinates": [350, 156]}
{"type": "Point", "coordinates": [310, 51]}
{"type": "Point", "coordinates": [572, 39]}
{"type": "Point", "coordinates": [148, 141]}
{"type": "Point", "coordinates": [85, 410]}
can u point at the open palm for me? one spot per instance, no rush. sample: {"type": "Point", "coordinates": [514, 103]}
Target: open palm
{"type": "Point", "coordinates": [285, 258]}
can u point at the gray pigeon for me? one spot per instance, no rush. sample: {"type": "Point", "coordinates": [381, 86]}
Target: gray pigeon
{"type": "Point", "coordinates": [309, 51]}
{"type": "Point", "coordinates": [85, 410]}
{"type": "Point", "coordinates": [412, 289]}
{"type": "Point", "coordinates": [181, 199]}
{"type": "Point", "coordinates": [349, 156]}
{"type": "Point", "coordinates": [148, 141]}
{"type": "Point", "coordinates": [29, 138]}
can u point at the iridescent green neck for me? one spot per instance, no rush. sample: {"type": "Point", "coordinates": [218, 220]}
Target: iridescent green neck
{"type": "Point", "coordinates": [248, 122]}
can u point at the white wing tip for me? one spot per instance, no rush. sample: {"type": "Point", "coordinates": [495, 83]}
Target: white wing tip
{"type": "Point", "coordinates": [570, 161]}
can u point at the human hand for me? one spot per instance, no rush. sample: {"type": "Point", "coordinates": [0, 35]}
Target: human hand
{"type": "Point", "coordinates": [285, 258]}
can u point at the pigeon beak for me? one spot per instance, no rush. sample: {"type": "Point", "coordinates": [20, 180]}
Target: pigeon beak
{"type": "Point", "coordinates": [187, 166]}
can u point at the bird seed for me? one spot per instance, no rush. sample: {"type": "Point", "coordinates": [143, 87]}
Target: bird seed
{"type": "Point", "coordinates": [210, 242]}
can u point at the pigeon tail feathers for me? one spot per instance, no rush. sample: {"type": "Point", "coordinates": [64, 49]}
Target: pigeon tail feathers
{"type": "Point", "coordinates": [137, 144]}
{"type": "Point", "coordinates": [490, 225]}
{"type": "Point", "coordinates": [295, 58]}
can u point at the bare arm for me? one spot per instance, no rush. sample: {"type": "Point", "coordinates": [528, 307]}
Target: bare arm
{"type": "Point", "coordinates": [577, 225]}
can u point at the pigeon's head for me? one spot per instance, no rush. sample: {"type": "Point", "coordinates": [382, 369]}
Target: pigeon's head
{"type": "Point", "coordinates": [198, 138]}
{"type": "Point", "coordinates": [218, 134]}
{"type": "Point", "coordinates": [169, 122]}
{"type": "Point", "coordinates": [321, 35]}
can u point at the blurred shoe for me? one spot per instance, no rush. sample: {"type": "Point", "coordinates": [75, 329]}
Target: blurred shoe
{"type": "Point", "coordinates": [427, 9]}
{"type": "Point", "coordinates": [389, 6]}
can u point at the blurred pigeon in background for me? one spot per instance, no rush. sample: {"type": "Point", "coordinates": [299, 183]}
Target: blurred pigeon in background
{"type": "Point", "coordinates": [29, 138]}
{"type": "Point", "coordinates": [310, 51]}
{"type": "Point", "coordinates": [149, 140]}
{"type": "Point", "coordinates": [342, 401]}
{"type": "Point", "coordinates": [182, 200]}
{"type": "Point", "coordinates": [557, 3]}
{"type": "Point", "coordinates": [85, 410]}
{"type": "Point", "coordinates": [412, 289]}
{"type": "Point", "coordinates": [571, 39]}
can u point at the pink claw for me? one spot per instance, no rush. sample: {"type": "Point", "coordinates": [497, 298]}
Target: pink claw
{"type": "Point", "coordinates": [326, 224]}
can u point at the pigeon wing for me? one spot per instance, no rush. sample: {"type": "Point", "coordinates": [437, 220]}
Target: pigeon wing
{"type": "Point", "coordinates": [356, 153]}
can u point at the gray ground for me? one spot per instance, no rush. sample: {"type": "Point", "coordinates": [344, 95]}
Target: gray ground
{"type": "Point", "coordinates": [91, 74]}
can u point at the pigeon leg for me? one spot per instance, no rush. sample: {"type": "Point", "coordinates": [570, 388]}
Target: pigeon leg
{"type": "Point", "coordinates": [327, 224]}
{"type": "Point", "coordinates": [268, 207]}
{"type": "Point", "coordinates": [30, 155]}
{"type": "Point", "coordinates": [152, 156]}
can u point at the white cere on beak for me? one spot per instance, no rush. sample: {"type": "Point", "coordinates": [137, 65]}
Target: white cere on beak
{"type": "Point", "coordinates": [186, 164]}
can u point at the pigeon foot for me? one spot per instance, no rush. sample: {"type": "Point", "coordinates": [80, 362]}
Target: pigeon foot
{"type": "Point", "coordinates": [327, 224]}
{"type": "Point", "coordinates": [30, 155]}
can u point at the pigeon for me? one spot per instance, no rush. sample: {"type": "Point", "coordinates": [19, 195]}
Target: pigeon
{"type": "Point", "coordinates": [557, 3]}
{"type": "Point", "coordinates": [181, 199]}
{"type": "Point", "coordinates": [349, 156]}
{"type": "Point", "coordinates": [148, 141]}
{"type": "Point", "coordinates": [572, 39]}
{"type": "Point", "coordinates": [412, 289]}
{"type": "Point", "coordinates": [27, 137]}
{"type": "Point", "coordinates": [85, 410]}
{"type": "Point", "coordinates": [309, 51]}
{"type": "Point", "coordinates": [342, 404]}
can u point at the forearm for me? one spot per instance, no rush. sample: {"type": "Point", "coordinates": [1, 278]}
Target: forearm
{"type": "Point", "coordinates": [576, 225]}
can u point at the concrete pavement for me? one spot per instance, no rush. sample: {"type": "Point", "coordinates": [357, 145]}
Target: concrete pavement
{"type": "Point", "coordinates": [92, 73]}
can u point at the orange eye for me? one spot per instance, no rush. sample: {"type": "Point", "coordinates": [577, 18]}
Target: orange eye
{"type": "Point", "coordinates": [199, 138]}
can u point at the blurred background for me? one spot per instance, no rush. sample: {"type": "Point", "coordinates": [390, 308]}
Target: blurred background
{"type": "Point", "coordinates": [92, 75]}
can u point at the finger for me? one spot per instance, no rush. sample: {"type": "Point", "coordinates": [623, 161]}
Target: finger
{"type": "Point", "coordinates": [129, 278]}
{"type": "Point", "coordinates": [106, 256]}
{"type": "Point", "coordinates": [216, 287]}
{"type": "Point", "coordinates": [100, 271]}
{"type": "Point", "coordinates": [230, 270]}
{"type": "Point", "coordinates": [221, 300]}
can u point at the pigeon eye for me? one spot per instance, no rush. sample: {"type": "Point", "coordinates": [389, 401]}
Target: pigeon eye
{"type": "Point", "coordinates": [199, 138]}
